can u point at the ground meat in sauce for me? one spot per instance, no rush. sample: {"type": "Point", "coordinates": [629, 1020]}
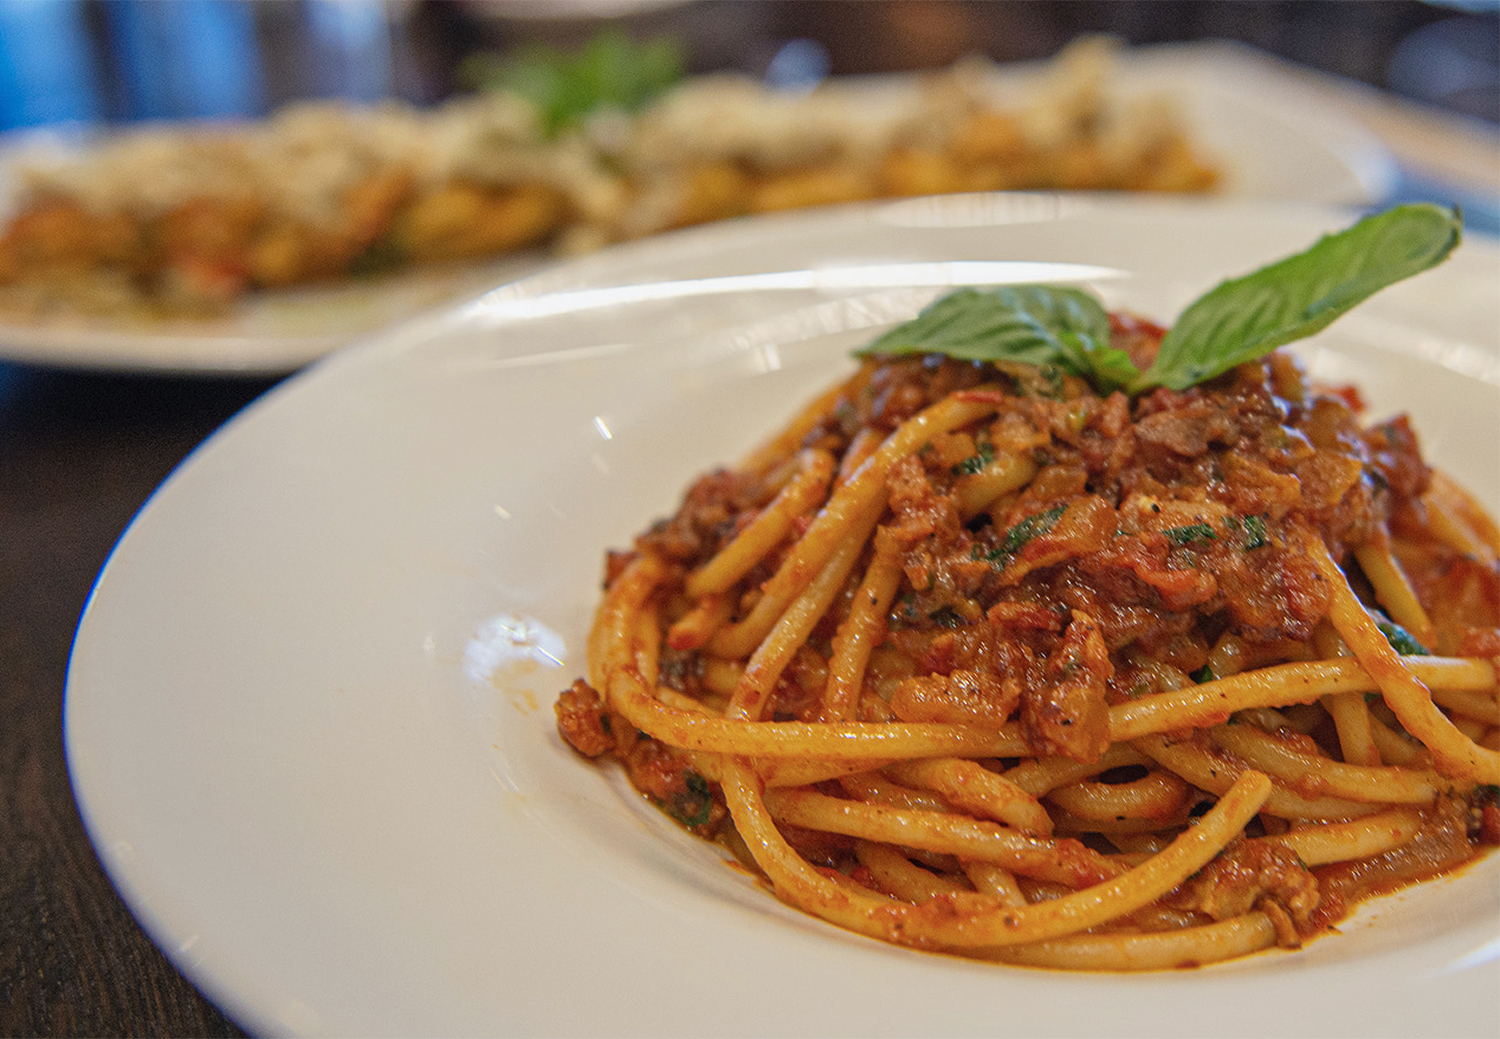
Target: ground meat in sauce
{"type": "Point", "coordinates": [707, 518]}
{"type": "Point", "coordinates": [654, 769]}
{"type": "Point", "coordinates": [1150, 532]}
{"type": "Point", "coordinates": [1168, 522]}
{"type": "Point", "coordinates": [1254, 875]}
{"type": "Point", "coordinates": [582, 721]}
{"type": "Point", "coordinates": [1165, 521]}
{"type": "Point", "coordinates": [1441, 844]}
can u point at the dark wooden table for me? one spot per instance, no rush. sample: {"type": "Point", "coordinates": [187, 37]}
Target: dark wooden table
{"type": "Point", "coordinates": [79, 455]}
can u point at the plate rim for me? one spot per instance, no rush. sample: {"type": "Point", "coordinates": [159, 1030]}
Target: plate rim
{"type": "Point", "coordinates": [372, 356]}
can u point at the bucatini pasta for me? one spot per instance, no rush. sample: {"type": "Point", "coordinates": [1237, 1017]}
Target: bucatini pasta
{"type": "Point", "coordinates": [978, 658]}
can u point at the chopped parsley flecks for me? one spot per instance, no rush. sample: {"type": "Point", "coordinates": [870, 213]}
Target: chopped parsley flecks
{"type": "Point", "coordinates": [984, 454]}
{"type": "Point", "coordinates": [1401, 640]}
{"type": "Point", "coordinates": [946, 616]}
{"type": "Point", "coordinates": [1018, 536]}
{"type": "Point", "coordinates": [1251, 529]}
{"type": "Point", "coordinates": [691, 807]}
{"type": "Point", "coordinates": [1190, 533]}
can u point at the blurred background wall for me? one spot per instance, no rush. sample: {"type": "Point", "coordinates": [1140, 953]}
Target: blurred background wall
{"type": "Point", "coordinates": [124, 60]}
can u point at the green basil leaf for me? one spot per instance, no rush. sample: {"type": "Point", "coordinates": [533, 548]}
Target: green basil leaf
{"type": "Point", "coordinates": [609, 71]}
{"type": "Point", "coordinates": [1248, 317]}
{"type": "Point", "coordinates": [1055, 327]}
{"type": "Point", "coordinates": [1034, 324]}
{"type": "Point", "coordinates": [1107, 367]}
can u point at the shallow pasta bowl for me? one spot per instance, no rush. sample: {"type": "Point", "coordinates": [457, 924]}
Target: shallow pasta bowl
{"type": "Point", "coordinates": [308, 712]}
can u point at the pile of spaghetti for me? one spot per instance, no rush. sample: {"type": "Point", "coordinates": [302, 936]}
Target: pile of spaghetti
{"type": "Point", "coordinates": [975, 657]}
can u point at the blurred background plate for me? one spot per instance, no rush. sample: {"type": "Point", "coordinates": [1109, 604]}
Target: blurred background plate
{"type": "Point", "coordinates": [1274, 142]}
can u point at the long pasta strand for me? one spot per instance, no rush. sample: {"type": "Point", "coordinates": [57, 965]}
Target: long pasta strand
{"type": "Point", "coordinates": [1456, 755]}
{"type": "Point", "coordinates": [957, 836]}
{"type": "Point", "coordinates": [980, 920]}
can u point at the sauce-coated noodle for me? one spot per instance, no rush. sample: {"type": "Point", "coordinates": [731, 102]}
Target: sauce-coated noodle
{"type": "Point", "coordinates": [1064, 680]}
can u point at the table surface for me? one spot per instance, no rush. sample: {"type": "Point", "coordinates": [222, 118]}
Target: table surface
{"type": "Point", "coordinates": [79, 455]}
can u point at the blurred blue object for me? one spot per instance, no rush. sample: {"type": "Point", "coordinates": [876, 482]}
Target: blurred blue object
{"type": "Point", "coordinates": [352, 49]}
{"type": "Point", "coordinates": [1453, 63]}
{"type": "Point", "coordinates": [1481, 211]}
{"type": "Point", "coordinates": [799, 65]}
{"type": "Point", "coordinates": [47, 64]}
{"type": "Point", "coordinates": [180, 59]}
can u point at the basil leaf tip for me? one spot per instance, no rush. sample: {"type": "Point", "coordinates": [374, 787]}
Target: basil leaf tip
{"type": "Point", "coordinates": [1246, 318]}
{"type": "Point", "coordinates": [1239, 320]}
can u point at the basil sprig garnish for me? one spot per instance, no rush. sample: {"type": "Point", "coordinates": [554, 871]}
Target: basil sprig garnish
{"type": "Point", "coordinates": [609, 71]}
{"type": "Point", "coordinates": [1237, 321]}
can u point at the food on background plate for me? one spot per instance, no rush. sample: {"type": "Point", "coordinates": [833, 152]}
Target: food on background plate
{"type": "Point", "coordinates": [171, 220]}
{"type": "Point", "coordinates": [724, 146]}
{"type": "Point", "coordinates": [1054, 637]}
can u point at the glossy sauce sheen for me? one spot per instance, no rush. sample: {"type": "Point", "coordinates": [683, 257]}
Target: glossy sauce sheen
{"type": "Point", "coordinates": [1147, 544]}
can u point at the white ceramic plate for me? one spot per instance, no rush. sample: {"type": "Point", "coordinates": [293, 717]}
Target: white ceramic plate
{"type": "Point", "coordinates": [1275, 138]}
{"type": "Point", "coordinates": [309, 709]}
{"type": "Point", "coordinates": [266, 334]}
{"type": "Point", "coordinates": [1279, 140]}
{"type": "Point", "coordinates": [1276, 143]}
